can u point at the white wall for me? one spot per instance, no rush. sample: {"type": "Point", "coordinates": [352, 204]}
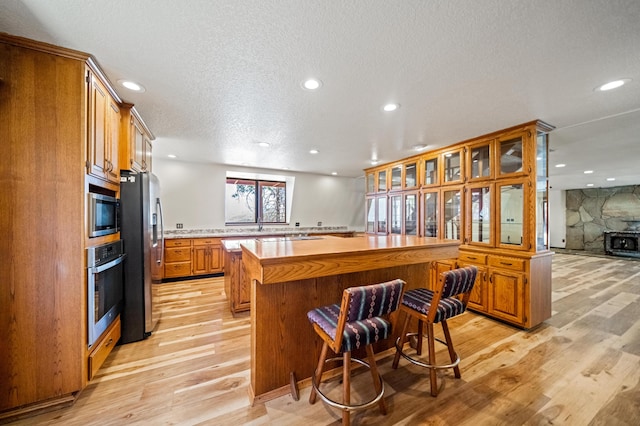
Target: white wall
{"type": "Point", "coordinates": [193, 194]}
{"type": "Point", "coordinates": [557, 218]}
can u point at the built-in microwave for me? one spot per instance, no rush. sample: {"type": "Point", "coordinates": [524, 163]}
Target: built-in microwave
{"type": "Point", "coordinates": [104, 212]}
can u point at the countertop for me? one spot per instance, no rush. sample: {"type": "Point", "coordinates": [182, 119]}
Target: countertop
{"type": "Point", "coordinates": [253, 232]}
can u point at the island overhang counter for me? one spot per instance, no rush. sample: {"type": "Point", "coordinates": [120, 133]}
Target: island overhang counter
{"type": "Point", "coordinates": [290, 276]}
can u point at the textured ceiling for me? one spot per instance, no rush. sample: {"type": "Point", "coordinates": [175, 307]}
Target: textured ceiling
{"type": "Point", "coordinates": [221, 76]}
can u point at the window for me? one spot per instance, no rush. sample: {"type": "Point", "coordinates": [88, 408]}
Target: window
{"type": "Point", "coordinates": [254, 201]}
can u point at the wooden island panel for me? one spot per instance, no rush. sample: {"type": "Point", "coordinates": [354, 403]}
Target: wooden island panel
{"type": "Point", "coordinates": [289, 278]}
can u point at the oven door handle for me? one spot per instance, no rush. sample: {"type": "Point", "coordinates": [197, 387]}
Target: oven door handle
{"type": "Point", "coordinates": [101, 268]}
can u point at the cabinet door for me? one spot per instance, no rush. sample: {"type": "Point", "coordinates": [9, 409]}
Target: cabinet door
{"type": "Point", "coordinates": [512, 155]}
{"type": "Point", "coordinates": [437, 268]}
{"type": "Point", "coordinates": [98, 125]}
{"type": "Point", "coordinates": [215, 259]}
{"type": "Point", "coordinates": [381, 213]}
{"type": "Point", "coordinates": [244, 288]}
{"type": "Point", "coordinates": [479, 199]}
{"type": "Point", "coordinates": [452, 214]}
{"type": "Point", "coordinates": [452, 170]}
{"type": "Point", "coordinates": [431, 210]}
{"type": "Point", "coordinates": [506, 295]}
{"type": "Point", "coordinates": [200, 260]}
{"type": "Point", "coordinates": [478, 298]}
{"type": "Point", "coordinates": [396, 177]}
{"type": "Point", "coordinates": [410, 213]}
{"type": "Point", "coordinates": [371, 182]}
{"type": "Point", "coordinates": [146, 162]}
{"type": "Point", "coordinates": [136, 145]}
{"type": "Point", "coordinates": [511, 208]}
{"type": "Point", "coordinates": [113, 142]}
{"type": "Point", "coordinates": [382, 180]}
{"type": "Point", "coordinates": [395, 214]}
{"type": "Point", "coordinates": [479, 161]}
{"type": "Point", "coordinates": [431, 176]}
{"type": "Point", "coordinates": [410, 175]}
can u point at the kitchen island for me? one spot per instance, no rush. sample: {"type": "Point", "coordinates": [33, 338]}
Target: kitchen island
{"type": "Point", "coordinates": [292, 275]}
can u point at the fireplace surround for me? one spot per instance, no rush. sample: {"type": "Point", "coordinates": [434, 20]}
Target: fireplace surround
{"type": "Point", "coordinates": [622, 243]}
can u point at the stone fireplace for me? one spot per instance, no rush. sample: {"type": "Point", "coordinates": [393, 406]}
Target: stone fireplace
{"type": "Point", "coordinates": [622, 243]}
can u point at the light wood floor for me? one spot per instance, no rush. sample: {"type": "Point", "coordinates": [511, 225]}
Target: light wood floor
{"type": "Point", "coordinates": [580, 367]}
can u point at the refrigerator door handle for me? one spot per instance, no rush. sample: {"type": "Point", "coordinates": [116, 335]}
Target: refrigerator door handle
{"type": "Point", "coordinates": [159, 209]}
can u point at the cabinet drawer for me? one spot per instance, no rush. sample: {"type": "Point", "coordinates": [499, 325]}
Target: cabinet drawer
{"type": "Point", "coordinates": [104, 348]}
{"type": "Point", "coordinates": [181, 269]}
{"type": "Point", "coordinates": [177, 254]}
{"type": "Point", "coordinates": [507, 263]}
{"type": "Point", "coordinates": [206, 241]}
{"type": "Point", "coordinates": [178, 242]}
{"type": "Point", "coordinates": [475, 258]}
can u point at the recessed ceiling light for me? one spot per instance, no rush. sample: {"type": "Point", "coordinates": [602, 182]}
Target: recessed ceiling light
{"type": "Point", "coordinates": [589, 184]}
{"type": "Point", "coordinates": [560, 165]}
{"type": "Point", "coordinates": [132, 85]}
{"type": "Point", "coordinates": [613, 84]}
{"type": "Point", "coordinates": [334, 173]}
{"type": "Point", "coordinates": [419, 147]}
{"type": "Point", "coordinates": [588, 172]}
{"type": "Point", "coordinates": [374, 162]}
{"type": "Point", "coordinates": [391, 107]}
{"type": "Point", "coordinates": [311, 84]}
{"type": "Point", "coordinates": [285, 168]}
{"type": "Point", "coordinates": [611, 179]}
{"type": "Point", "coordinates": [314, 151]}
{"type": "Point", "coordinates": [171, 156]}
{"type": "Point", "coordinates": [264, 144]}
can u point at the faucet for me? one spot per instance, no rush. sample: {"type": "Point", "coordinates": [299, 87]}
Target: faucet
{"type": "Point", "coordinates": [259, 223]}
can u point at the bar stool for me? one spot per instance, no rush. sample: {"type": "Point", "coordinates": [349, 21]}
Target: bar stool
{"type": "Point", "coordinates": [360, 320]}
{"type": "Point", "coordinates": [448, 300]}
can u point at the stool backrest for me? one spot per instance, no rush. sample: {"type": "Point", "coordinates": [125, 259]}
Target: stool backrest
{"type": "Point", "coordinates": [373, 300]}
{"type": "Point", "coordinates": [458, 281]}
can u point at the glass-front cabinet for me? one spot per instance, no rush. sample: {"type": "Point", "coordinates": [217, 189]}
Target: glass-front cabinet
{"type": "Point", "coordinates": [410, 175]}
{"type": "Point", "coordinates": [396, 177]}
{"type": "Point", "coordinates": [376, 215]}
{"type": "Point", "coordinates": [452, 214]}
{"type": "Point", "coordinates": [395, 214]}
{"type": "Point", "coordinates": [382, 181]}
{"type": "Point", "coordinates": [430, 166]}
{"type": "Point", "coordinates": [511, 203]}
{"type": "Point", "coordinates": [480, 214]}
{"type": "Point", "coordinates": [452, 167]}
{"type": "Point", "coordinates": [511, 155]}
{"type": "Point", "coordinates": [431, 213]}
{"type": "Point", "coordinates": [479, 161]}
{"type": "Point", "coordinates": [542, 190]}
{"type": "Point", "coordinates": [410, 203]}
{"type": "Point", "coordinates": [371, 182]}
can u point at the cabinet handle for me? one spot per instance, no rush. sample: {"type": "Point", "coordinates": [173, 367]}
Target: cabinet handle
{"type": "Point", "coordinates": [108, 343]}
{"type": "Point", "coordinates": [471, 257]}
{"type": "Point", "coordinates": [506, 263]}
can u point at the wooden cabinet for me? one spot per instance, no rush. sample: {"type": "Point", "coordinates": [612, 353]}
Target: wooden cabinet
{"type": "Point", "coordinates": [177, 257]}
{"type": "Point", "coordinates": [490, 192]}
{"type": "Point", "coordinates": [104, 347]}
{"type": "Point", "coordinates": [135, 147]}
{"type": "Point", "coordinates": [236, 284]}
{"type": "Point", "coordinates": [186, 257]}
{"type": "Point", "coordinates": [206, 256]}
{"type": "Point", "coordinates": [104, 131]}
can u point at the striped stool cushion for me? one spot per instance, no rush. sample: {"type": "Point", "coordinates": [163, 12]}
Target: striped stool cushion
{"type": "Point", "coordinates": [420, 300]}
{"type": "Point", "coordinates": [356, 333]}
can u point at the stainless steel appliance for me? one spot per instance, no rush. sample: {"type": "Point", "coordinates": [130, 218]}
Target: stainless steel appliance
{"type": "Point", "coordinates": [103, 215]}
{"type": "Point", "coordinates": [141, 230]}
{"type": "Point", "coordinates": [104, 285]}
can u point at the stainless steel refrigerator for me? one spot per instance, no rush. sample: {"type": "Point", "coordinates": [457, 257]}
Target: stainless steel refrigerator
{"type": "Point", "coordinates": [141, 230]}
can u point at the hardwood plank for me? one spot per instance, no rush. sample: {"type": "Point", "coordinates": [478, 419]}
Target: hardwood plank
{"type": "Point", "coordinates": [579, 367]}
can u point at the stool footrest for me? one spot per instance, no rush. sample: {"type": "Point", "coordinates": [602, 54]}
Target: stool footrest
{"type": "Point", "coordinates": [424, 364]}
{"type": "Point", "coordinates": [350, 407]}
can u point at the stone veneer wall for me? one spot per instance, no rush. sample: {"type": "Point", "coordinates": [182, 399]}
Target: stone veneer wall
{"type": "Point", "coordinates": [590, 212]}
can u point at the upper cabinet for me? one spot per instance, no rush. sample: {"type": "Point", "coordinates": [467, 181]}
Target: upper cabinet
{"type": "Point", "coordinates": [452, 171]}
{"type": "Point", "coordinates": [479, 161]}
{"type": "Point", "coordinates": [135, 146]}
{"type": "Point", "coordinates": [104, 131]}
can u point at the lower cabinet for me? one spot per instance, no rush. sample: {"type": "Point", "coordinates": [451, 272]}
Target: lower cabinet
{"type": "Point", "coordinates": [185, 257]}
{"type": "Point", "coordinates": [104, 347]}
{"type": "Point", "coordinates": [511, 288]}
{"type": "Point", "coordinates": [206, 256]}
{"type": "Point", "coordinates": [236, 285]}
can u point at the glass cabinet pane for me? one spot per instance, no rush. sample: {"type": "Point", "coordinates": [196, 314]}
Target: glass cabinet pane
{"type": "Point", "coordinates": [511, 156]}
{"type": "Point", "coordinates": [410, 175]}
{"type": "Point", "coordinates": [452, 210]}
{"type": "Point", "coordinates": [511, 214]}
{"type": "Point", "coordinates": [542, 183]}
{"type": "Point", "coordinates": [431, 171]}
{"type": "Point", "coordinates": [410, 214]}
{"type": "Point", "coordinates": [481, 215]}
{"type": "Point", "coordinates": [396, 214]}
{"type": "Point", "coordinates": [382, 215]}
{"type": "Point", "coordinates": [480, 162]}
{"type": "Point", "coordinates": [452, 172]}
{"type": "Point", "coordinates": [396, 177]}
{"type": "Point", "coordinates": [371, 215]}
{"type": "Point", "coordinates": [371, 183]}
{"type": "Point", "coordinates": [431, 214]}
{"type": "Point", "coordinates": [382, 180]}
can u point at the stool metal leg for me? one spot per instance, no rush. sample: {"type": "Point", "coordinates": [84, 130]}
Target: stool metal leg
{"type": "Point", "coordinates": [318, 372]}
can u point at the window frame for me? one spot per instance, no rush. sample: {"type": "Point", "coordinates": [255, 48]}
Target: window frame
{"type": "Point", "coordinates": [258, 210]}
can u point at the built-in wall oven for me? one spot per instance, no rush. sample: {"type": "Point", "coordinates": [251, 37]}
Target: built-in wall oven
{"type": "Point", "coordinates": [105, 287]}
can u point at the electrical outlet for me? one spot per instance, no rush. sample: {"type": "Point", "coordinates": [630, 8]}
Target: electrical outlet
{"type": "Point", "coordinates": [297, 224]}
{"type": "Point", "coordinates": [178, 226]}
{"type": "Point", "coordinates": [319, 223]}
